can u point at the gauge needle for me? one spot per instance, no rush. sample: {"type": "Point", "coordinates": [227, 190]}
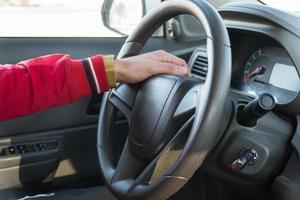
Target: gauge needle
{"type": "Point", "coordinates": [260, 70]}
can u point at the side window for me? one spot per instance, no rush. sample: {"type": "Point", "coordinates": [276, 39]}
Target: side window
{"type": "Point", "coordinates": [71, 18]}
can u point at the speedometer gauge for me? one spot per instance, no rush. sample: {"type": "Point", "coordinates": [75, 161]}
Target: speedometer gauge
{"type": "Point", "coordinates": [255, 70]}
{"type": "Point", "coordinates": [270, 70]}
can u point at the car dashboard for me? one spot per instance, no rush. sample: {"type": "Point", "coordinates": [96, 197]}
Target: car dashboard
{"type": "Point", "coordinates": [265, 59]}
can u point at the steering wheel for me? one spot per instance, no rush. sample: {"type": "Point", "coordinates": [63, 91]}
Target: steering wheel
{"type": "Point", "coordinates": [174, 122]}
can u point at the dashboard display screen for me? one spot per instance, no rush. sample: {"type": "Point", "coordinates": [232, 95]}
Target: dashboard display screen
{"type": "Point", "coordinates": [285, 77]}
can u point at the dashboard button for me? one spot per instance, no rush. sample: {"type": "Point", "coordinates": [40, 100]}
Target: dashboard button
{"type": "Point", "coordinates": [21, 147]}
{"type": "Point", "coordinates": [43, 149]}
{"type": "Point", "coordinates": [41, 145]}
{"type": "Point", "coordinates": [11, 150]}
{"type": "Point", "coordinates": [23, 151]}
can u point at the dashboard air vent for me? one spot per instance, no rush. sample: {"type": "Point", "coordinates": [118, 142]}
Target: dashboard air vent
{"type": "Point", "coordinates": [200, 65]}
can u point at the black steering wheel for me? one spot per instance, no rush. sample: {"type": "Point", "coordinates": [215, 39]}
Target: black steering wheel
{"type": "Point", "coordinates": [174, 122]}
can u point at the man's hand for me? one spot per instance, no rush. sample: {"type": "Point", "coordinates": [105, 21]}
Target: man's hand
{"type": "Point", "coordinates": [138, 68]}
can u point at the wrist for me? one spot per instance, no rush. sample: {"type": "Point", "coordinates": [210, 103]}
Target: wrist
{"type": "Point", "coordinates": [119, 68]}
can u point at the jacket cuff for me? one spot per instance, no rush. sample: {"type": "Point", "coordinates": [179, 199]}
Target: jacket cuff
{"type": "Point", "coordinates": [80, 85]}
{"type": "Point", "coordinates": [93, 75]}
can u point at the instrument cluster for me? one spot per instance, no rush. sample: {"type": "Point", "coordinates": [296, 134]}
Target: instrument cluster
{"type": "Point", "coordinates": [270, 70]}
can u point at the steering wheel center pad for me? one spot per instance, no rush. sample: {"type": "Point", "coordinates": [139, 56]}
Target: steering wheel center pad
{"type": "Point", "coordinates": [156, 101]}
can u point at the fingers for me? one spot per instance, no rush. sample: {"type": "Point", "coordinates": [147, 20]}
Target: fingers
{"type": "Point", "coordinates": [169, 68]}
{"type": "Point", "coordinates": [163, 56]}
{"type": "Point", "coordinates": [166, 57]}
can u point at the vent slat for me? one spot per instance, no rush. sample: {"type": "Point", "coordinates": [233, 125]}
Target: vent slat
{"type": "Point", "coordinates": [200, 63]}
{"type": "Point", "coordinates": [201, 58]}
{"type": "Point", "coordinates": [200, 67]}
{"type": "Point", "coordinates": [199, 73]}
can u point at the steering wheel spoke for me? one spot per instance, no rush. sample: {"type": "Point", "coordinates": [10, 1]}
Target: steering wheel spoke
{"type": "Point", "coordinates": [123, 98]}
{"type": "Point", "coordinates": [128, 169]}
{"type": "Point", "coordinates": [187, 107]}
{"type": "Point", "coordinates": [168, 156]}
{"type": "Point", "coordinates": [132, 172]}
{"type": "Point", "coordinates": [128, 166]}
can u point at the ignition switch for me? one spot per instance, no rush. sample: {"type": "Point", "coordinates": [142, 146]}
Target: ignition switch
{"type": "Point", "coordinates": [247, 157]}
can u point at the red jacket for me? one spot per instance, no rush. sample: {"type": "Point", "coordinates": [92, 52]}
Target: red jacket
{"type": "Point", "coordinates": [48, 81]}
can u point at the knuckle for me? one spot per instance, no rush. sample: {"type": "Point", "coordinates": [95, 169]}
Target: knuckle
{"type": "Point", "coordinates": [161, 52]}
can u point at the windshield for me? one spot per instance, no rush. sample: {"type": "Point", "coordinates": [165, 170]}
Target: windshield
{"type": "Point", "coordinates": [290, 5]}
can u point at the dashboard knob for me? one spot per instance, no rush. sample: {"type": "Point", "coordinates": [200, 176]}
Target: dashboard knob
{"type": "Point", "coordinates": [255, 109]}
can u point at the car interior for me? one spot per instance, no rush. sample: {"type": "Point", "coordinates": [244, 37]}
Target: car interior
{"type": "Point", "coordinates": [228, 132]}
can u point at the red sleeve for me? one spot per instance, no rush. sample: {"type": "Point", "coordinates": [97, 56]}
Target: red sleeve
{"type": "Point", "coordinates": [47, 81]}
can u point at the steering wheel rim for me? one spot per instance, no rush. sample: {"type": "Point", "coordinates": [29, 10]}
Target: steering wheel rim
{"type": "Point", "coordinates": [212, 107]}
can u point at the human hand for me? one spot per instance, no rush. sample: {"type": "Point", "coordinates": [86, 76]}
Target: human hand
{"type": "Point", "coordinates": [138, 68]}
